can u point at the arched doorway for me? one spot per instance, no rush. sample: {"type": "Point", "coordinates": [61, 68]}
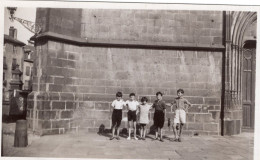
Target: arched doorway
{"type": "Point", "coordinates": [248, 83]}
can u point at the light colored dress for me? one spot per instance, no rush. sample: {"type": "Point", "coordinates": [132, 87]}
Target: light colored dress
{"type": "Point", "coordinates": [144, 113]}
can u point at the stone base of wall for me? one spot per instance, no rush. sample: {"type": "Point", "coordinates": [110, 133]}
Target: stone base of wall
{"type": "Point", "coordinates": [53, 113]}
{"type": "Point", "coordinates": [232, 122]}
{"type": "Point", "coordinates": [232, 127]}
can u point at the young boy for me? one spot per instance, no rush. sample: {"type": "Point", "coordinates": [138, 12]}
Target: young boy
{"type": "Point", "coordinates": [132, 105]}
{"type": "Point", "coordinates": [159, 114]}
{"type": "Point", "coordinates": [118, 105]}
{"type": "Point", "coordinates": [180, 113]}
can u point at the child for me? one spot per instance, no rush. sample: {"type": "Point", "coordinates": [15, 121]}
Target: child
{"type": "Point", "coordinates": [132, 105]}
{"type": "Point", "coordinates": [180, 113]}
{"type": "Point", "coordinates": [144, 116]}
{"type": "Point", "coordinates": [159, 114]}
{"type": "Point", "coordinates": [118, 105]}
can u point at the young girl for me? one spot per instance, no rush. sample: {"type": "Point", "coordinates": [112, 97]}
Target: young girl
{"type": "Point", "coordinates": [159, 115]}
{"type": "Point", "coordinates": [144, 116]}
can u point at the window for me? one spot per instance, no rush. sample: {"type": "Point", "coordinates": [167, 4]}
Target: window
{"type": "Point", "coordinates": [14, 64]}
{"type": "Point", "coordinates": [14, 49]}
{"type": "Point", "coordinates": [27, 72]}
{"type": "Point", "coordinates": [29, 56]}
{"type": "Point", "coordinates": [27, 85]}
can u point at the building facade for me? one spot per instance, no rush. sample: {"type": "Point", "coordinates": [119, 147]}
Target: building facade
{"type": "Point", "coordinates": [84, 56]}
{"type": "Point", "coordinates": [15, 76]}
{"type": "Point", "coordinates": [28, 66]}
{"type": "Point", "coordinates": [13, 56]}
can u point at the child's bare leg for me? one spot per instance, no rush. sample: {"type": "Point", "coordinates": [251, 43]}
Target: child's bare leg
{"type": "Point", "coordinates": [180, 132]}
{"type": "Point", "coordinates": [129, 129]}
{"type": "Point", "coordinates": [141, 132]}
{"type": "Point", "coordinates": [174, 130]}
{"type": "Point", "coordinates": [117, 128]}
{"type": "Point", "coordinates": [134, 129]}
{"type": "Point", "coordinates": [144, 132]}
{"type": "Point", "coordinates": [161, 133]}
{"type": "Point", "coordinates": [113, 131]}
{"type": "Point", "coordinates": [156, 133]}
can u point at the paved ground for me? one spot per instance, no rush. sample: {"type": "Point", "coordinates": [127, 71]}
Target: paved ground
{"type": "Point", "coordinates": [92, 145]}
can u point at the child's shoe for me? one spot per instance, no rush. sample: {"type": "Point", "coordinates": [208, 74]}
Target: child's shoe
{"type": "Point", "coordinates": [136, 138]}
{"type": "Point", "coordinates": [128, 138]}
{"type": "Point", "coordinates": [111, 138]}
{"type": "Point", "coordinates": [161, 140]}
{"type": "Point", "coordinates": [117, 138]}
{"type": "Point", "coordinates": [179, 139]}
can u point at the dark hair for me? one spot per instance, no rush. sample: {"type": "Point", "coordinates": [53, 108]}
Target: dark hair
{"type": "Point", "coordinates": [180, 90]}
{"type": "Point", "coordinates": [144, 99]}
{"type": "Point", "coordinates": [131, 94]}
{"type": "Point", "coordinates": [159, 93]}
{"type": "Point", "coordinates": [119, 94]}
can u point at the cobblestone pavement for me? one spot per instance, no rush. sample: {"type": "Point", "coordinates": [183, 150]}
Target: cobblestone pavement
{"type": "Point", "coordinates": [92, 145]}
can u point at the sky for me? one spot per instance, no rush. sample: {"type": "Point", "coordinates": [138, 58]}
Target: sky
{"type": "Point", "coordinates": [24, 13]}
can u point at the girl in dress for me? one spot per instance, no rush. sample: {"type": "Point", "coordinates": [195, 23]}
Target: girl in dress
{"type": "Point", "coordinates": [144, 116]}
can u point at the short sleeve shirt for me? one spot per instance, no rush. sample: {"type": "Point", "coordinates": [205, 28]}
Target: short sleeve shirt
{"type": "Point", "coordinates": [181, 102]}
{"type": "Point", "coordinates": [159, 105]}
{"type": "Point", "coordinates": [132, 105]}
{"type": "Point", "coordinates": [118, 104]}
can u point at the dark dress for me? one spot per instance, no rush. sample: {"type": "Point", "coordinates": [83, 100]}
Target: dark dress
{"type": "Point", "coordinates": [158, 117]}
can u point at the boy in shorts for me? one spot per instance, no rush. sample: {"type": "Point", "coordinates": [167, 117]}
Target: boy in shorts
{"type": "Point", "coordinates": [118, 105]}
{"type": "Point", "coordinates": [132, 105]}
{"type": "Point", "coordinates": [180, 113]}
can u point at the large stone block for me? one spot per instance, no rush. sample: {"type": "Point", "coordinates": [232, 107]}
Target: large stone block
{"type": "Point", "coordinates": [46, 115]}
{"type": "Point", "coordinates": [215, 115]}
{"type": "Point", "coordinates": [58, 105]}
{"type": "Point", "coordinates": [46, 124]}
{"type": "Point", "coordinates": [102, 106]}
{"type": "Point", "coordinates": [200, 117]}
{"type": "Point", "coordinates": [55, 88]}
{"type": "Point", "coordinates": [195, 108]}
{"type": "Point", "coordinates": [212, 101]}
{"type": "Point", "coordinates": [50, 131]}
{"type": "Point", "coordinates": [98, 97]}
{"type": "Point", "coordinates": [67, 96]}
{"type": "Point", "coordinates": [87, 123]}
{"type": "Point", "coordinates": [190, 117]}
{"type": "Point", "coordinates": [41, 105]}
{"type": "Point", "coordinates": [195, 126]}
{"type": "Point", "coordinates": [60, 123]}
{"type": "Point", "coordinates": [71, 105]}
{"type": "Point", "coordinates": [87, 104]}
{"type": "Point", "coordinates": [213, 127]}
{"type": "Point", "coordinates": [66, 114]}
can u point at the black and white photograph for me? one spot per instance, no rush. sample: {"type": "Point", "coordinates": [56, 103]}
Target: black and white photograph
{"type": "Point", "coordinates": [110, 80]}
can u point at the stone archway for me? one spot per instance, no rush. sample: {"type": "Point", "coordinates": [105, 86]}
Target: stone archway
{"type": "Point", "coordinates": [236, 24]}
